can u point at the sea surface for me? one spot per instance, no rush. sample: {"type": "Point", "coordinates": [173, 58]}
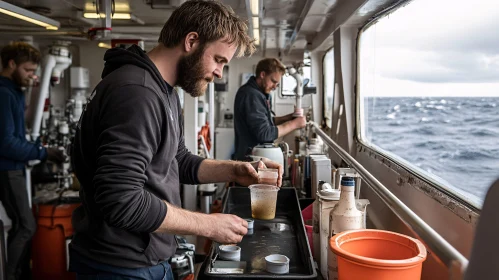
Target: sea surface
{"type": "Point", "coordinates": [454, 138]}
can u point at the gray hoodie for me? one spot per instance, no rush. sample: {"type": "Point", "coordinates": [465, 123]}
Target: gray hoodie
{"type": "Point", "coordinates": [129, 155]}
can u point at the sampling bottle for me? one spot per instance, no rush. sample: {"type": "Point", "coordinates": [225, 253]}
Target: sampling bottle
{"type": "Point", "coordinates": [344, 216]}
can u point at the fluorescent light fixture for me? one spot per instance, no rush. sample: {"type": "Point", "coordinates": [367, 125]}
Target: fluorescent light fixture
{"type": "Point", "coordinates": [255, 9]}
{"type": "Point", "coordinates": [256, 22]}
{"type": "Point", "coordinates": [256, 36]}
{"type": "Point", "coordinates": [120, 7]}
{"type": "Point", "coordinates": [115, 16]}
{"type": "Point", "coordinates": [104, 45]}
{"type": "Point", "coordinates": [29, 16]}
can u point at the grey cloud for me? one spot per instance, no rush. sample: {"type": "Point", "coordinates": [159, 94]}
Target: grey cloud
{"type": "Point", "coordinates": [448, 67]}
{"type": "Point", "coordinates": [459, 53]}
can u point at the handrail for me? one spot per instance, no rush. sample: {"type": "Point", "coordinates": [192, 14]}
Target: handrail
{"type": "Point", "coordinates": [446, 252]}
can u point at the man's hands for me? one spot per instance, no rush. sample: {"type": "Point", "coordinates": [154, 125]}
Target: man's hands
{"type": "Point", "coordinates": [267, 163]}
{"type": "Point", "coordinates": [227, 229]}
{"type": "Point", "coordinates": [222, 228]}
{"type": "Point", "coordinates": [55, 155]}
{"type": "Point", "coordinates": [289, 126]}
{"type": "Point", "coordinates": [245, 173]}
{"type": "Point", "coordinates": [299, 122]}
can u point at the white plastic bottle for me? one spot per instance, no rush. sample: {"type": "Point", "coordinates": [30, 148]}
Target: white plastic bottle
{"type": "Point", "coordinates": [344, 216]}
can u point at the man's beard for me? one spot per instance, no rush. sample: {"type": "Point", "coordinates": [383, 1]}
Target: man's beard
{"type": "Point", "coordinates": [190, 73]}
{"type": "Point", "coordinates": [18, 79]}
{"type": "Point", "coordinates": [262, 87]}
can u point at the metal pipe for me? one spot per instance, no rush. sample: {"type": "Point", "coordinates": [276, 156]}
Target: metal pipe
{"type": "Point", "coordinates": [448, 254]}
{"type": "Point", "coordinates": [299, 91]}
{"type": "Point", "coordinates": [48, 64]}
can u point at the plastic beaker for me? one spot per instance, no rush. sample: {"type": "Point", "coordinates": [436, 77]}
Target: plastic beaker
{"type": "Point", "coordinates": [263, 201]}
{"type": "Point", "coordinates": [268, 176]}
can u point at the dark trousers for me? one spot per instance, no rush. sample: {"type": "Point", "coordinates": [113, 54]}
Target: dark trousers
{"type": "Point", "coordinates": [87, 269]}
{"type": "Point", "coordinates": [14, 198]}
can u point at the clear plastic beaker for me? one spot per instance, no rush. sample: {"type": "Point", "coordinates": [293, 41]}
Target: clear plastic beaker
{"type": "Point", "coordinates": [263, 201]}
{"type": "Point", "coordinates": [268, 176]}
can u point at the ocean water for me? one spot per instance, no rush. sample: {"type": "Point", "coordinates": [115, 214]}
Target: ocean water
{"type": "Point", "coordinates": [454, 138]}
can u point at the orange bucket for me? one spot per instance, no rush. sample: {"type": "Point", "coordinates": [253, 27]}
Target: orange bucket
{"type": "Point", "coordinates": [377, 254]}
{"type": "Point", "coordinates": [49, 259]}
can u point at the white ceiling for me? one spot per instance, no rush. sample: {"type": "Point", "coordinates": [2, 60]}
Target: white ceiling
{"type": "Point", "coordinates": [286, 25]}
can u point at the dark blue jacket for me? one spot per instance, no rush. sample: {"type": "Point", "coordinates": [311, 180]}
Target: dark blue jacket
{"type": "Point", "coordinates": [15, 150]}
{"type": "Point", "coordinates": [253, 121]}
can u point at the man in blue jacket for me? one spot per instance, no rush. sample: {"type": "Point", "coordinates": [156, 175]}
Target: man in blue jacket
{"type": "Point", "coordinates": [253, 120]}
{"type": "Point", "coordinates": [19, 63]}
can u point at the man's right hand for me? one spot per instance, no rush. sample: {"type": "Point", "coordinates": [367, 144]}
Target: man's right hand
{"type": "Point", "coordinates": [227, 229]}
{"type": "Point", "coordinates": [55, 155]}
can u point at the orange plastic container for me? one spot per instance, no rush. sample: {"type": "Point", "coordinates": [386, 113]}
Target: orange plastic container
{"type": "Point", "coordinates": [377, 255]}
{"type": "Point", "coordinates": [49, 243]}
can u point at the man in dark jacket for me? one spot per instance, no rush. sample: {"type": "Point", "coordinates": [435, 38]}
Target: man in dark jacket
{"type": "Point", "coordinates": [19, 63]}
{"type": "Point", "coordinates": [129, 153]}
{"type": "Point", "coordinates": [253, 120]}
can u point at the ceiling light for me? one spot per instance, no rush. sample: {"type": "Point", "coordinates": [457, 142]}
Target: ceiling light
{"type": "Point", "coordinates": [115, 16]}
{"type": "Point", "coordinates": [254, 5]}
{"type": "Point", "coordinates": [29, 16]}
{"type": "Point", "coordinates": [256, 22]}
{"type": "Point", "coordinates": [120, 7]}
{"type": "Point", "coordinates": [256, 36]}
{"type": "Point", "coordinates": [104, 45]}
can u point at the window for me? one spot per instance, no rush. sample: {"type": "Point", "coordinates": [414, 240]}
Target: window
{"type": "Point", "coordinates": [328, 69]}
{"type": "Point", "coordinates": [288, 85]}
{"type": "Point", "coordinates": [429, 90]}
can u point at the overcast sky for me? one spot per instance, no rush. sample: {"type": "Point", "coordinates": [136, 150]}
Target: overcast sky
{"type": "Point", "coordinates": [433, 48]}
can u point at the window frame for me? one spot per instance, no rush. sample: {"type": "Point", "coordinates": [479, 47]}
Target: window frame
{"type": "Point", "coordinates": [452, 192]}
{"type": "Point", "coordinates": [324, 89]}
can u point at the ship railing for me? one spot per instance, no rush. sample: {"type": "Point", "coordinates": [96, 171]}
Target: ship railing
{"type": "Point", "coordinates": [453, 259]}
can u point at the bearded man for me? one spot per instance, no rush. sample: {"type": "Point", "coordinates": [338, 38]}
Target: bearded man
{"type": "Point", "coordinates": [19, 63]}
{"type": "Point", "coordinates": [130, 157]}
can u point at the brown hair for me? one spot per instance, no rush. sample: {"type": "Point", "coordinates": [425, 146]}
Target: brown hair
{"type": "Point", "coordinates": [20, 52]}
{"type": "Point", "coordinates": [270, 65]}
{"type": "Point", "coordinates": [212, 20]}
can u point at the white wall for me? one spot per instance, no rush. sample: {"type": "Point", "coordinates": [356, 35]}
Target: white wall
{"type": "Point", "coordinates": [92, 57]}
{"type": "Point", "coordinates": [237, 66]}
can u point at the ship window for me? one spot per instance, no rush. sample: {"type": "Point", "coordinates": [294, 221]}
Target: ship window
{"type": "Point", "coordinates": [429, 92]}
{"type": "Point", "coordinates": [328, 70]}
{"type": "Point", "coordinates": [288, 85]}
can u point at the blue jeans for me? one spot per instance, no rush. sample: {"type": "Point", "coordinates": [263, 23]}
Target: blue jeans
{"type": "Point", "coordinates": [87, 269]}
